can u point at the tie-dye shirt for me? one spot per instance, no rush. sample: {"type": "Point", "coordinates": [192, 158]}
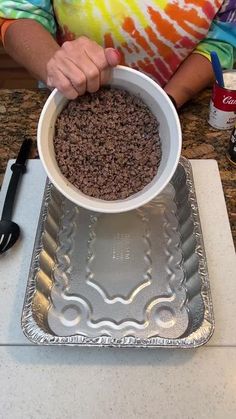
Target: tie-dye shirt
{"type": "Point", "coordinates": [154, 36]}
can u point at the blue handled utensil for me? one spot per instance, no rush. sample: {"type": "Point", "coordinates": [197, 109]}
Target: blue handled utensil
{"type": "Point", "coordinates": [217, 69]}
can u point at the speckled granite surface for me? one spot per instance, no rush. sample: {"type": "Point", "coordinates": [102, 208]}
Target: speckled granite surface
{"type": "Point", "coordinates": [20, 110]}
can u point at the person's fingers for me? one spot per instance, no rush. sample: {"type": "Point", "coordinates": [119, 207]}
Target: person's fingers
{"type": "Point", "coordinates": [63, 84]}
{"type": "Point", "coordinates": [73, 74]}
{"type": "Point", "coordinates": [76, 52]}
{"type": "Point", "coordinates": [81, 65]}
{"type": "Point", "coordinates": [97, 56]}
{"type": "Point", "coordinates": [113, 59]}
{"type": "Point", "coordinates": [105, 76]}
{"type": "Point", "coordinates": [112, 56]}
{"type": "Point", "coordinates": [91, 73]}
{"type": "Point", "coordinates": [102, 58]}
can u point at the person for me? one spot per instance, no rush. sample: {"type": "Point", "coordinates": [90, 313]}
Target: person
{"type": "Point", "coordinates": [73, 44]}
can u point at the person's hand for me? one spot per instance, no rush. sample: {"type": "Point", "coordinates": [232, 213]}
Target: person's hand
{"type": "Point", "coordinates": [79, 66]}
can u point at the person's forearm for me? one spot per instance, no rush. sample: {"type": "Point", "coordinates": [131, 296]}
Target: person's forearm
{"type": "Point", "coordinates": [194, 74]}
{"type": "Point", "coordinates": [31, 46]}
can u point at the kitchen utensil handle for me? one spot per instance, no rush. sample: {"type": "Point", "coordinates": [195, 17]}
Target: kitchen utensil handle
{"type": "Point", "coordinates": [18, 170]}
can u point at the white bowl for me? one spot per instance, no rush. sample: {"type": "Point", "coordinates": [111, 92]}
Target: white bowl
{"type": "Point", "coordinates": [170, 134]}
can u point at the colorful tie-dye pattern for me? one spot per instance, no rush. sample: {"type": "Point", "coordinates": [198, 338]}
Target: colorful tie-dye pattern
{"type": "Point", "coordinates": [40, 10]}
{"type": "Point", "coordinates": [222, 35]}
{"type": "Point", "coordinates": [154, 36]}
{"type": "Point", "coordinates": [228, 12]}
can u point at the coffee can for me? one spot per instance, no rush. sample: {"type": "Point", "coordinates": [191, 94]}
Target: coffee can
{"type": "Point", "coordinates": [231, 153]}
{"type": "Point", "coordinates": [222, 113]}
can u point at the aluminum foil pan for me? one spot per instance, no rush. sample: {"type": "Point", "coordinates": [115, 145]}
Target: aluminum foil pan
{"type": "Point", "coordinates": [136, 279]}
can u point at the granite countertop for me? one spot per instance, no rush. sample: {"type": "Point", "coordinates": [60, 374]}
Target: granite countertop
{"type": "Point", "coordinates": [20, 110]}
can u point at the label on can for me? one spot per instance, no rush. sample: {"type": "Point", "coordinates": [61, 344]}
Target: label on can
{"type": "Point", "coordinates": [222, 113]}
{"type": "Point", "coordinates": [221, 119]}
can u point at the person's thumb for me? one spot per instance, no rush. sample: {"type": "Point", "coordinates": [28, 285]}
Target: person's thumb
{"type": "Point", "coordinates": [112, 56]}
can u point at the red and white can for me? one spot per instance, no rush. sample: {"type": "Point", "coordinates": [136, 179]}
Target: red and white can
{"type": "Point", "coordinates": [222, 113]}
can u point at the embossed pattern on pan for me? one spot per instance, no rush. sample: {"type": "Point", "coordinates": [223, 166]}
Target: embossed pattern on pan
{"type": "Point", "coordinates": [136, 279]}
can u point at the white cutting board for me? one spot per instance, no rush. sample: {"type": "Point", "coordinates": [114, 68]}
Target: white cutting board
{"type": "Point", "coordinates": [14, 265]}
